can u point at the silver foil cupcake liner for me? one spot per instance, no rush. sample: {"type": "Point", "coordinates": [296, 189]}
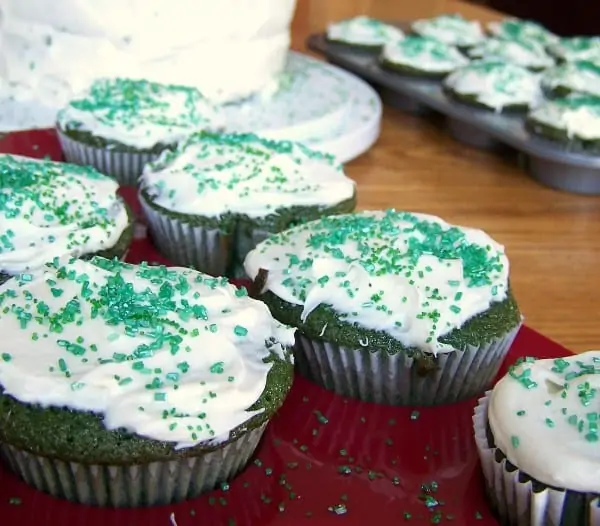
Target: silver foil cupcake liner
{"type": "Point", "coordinates": [207, 250]}
{"type": "Point", "coordinates": [138, 485]}
{"type": "Point", "coordinates": [517, 498]}
{"type": "Point", "coordinates": [395, 379]}
{"type": "Point", "coordinates": [125, 167]}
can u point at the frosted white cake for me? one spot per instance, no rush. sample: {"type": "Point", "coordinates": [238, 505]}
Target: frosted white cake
{"type": "Point", "coordinates": [229, 49]}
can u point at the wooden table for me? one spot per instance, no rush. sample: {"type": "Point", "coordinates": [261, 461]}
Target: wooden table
{"type": "Point", "coordinates": [552, 238]}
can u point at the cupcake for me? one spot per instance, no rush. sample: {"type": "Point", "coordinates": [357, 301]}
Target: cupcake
{"type": "Point", "coordinates": [526, 53]}
{"type": "Point", "coordinates": [421, 57]}
{"type": "Point", "coordinates": [537, 437]}
{"type": "Point", "coordinates": [119, 125]}
{"type": "Point", "coordinates": [514, 28]}
{"type": "Point", "coordinates": [571, 121]}
{"type": "Point", "coordinates": [391, 307]}
{"type": "Point", "coordinates": [578, 77]}
{"type": "Point", "coordinates": [576, 48]}
{"type": "Point", "coordinates": [450, 29]}
{"type": "Point", "coordinates": [363, 32]}
{"type": "Point", "coordinates": [135, 385]}
{"type": "Point", "coordinates": [496, 86]}
{"type": "Point", "coordinates": [216, 196]}
{"type": "Point", "coordinates": [52, 209]}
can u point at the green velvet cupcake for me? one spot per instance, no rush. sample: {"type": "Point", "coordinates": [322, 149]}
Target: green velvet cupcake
{"type": "Point", "coordinates": [363, 32]}
{"type": "Point", "coordinates": [52, 209]}
{"type": "Point", "coordinates": [390, 307]}
{"type": "Point", "coordinates": [573, 121]}
{"type": "Point", "coordinates": [451, 29]}
{"type": "Point", "coordinates": [119, 125]}
{"type": "Point", "coordinates": [578, 77]}
{"type": "Point", "coordinates": [213, 199]}
{"type": "Point", "coordinates": [517, 29]}
{"type": "Point", "coordinates": [571, 49]}
{"type": "Point", "coordinates": [529, 54]}
{"type": "Point", "coordinates": [494, 85]}
{"type": "Point", "coordinates": [135, 385]}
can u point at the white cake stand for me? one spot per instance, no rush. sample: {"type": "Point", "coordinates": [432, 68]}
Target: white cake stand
{"type": "Point", "coordinates": [317, 103]}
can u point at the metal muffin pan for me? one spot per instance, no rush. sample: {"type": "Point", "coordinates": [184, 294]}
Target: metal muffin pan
{"type": "Point", "coordinates": [548, 162]}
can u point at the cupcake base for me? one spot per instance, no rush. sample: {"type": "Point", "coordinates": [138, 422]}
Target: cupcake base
{"type": "Point", "coordinates": [520, 500]}
{"type": "Point", "coordinates": [403, 69]}
{"type": "Point", "coordinates": [155, 483]}
{"type": "Point", "coordinates": [560, 136]}
{"type": "Point", "coordinates": [472, 101]}
{"type": "Point", "coordinates": [396, 379]}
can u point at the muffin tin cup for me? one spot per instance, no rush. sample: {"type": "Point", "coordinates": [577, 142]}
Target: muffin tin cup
{"type": "Point", "coordinates": [520, 500]}
{"type": "Point", "coordinates": [125, 167]}
{"type": "Point", "coordinates": [396, 379]}
{"type": "Point", "coordinates": [139, 485]}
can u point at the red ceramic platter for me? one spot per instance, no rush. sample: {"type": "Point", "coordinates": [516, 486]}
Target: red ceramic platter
{"type": "Point", "coordinates": [324, 460]}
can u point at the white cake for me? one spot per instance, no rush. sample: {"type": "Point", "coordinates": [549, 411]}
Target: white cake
{"type": "Point", "coordinates": [229, 49]}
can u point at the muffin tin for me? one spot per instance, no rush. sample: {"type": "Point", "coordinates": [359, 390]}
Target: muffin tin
{"type": "Point", "coordinates": [548, 162]}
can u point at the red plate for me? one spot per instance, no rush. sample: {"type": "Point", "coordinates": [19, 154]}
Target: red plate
{"type": "Point", "coordinates": [324, 459]}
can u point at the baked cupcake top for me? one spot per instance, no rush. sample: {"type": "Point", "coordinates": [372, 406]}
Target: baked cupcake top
{"type": "Point", "coordinates": [423, 54]}
{"type": "Point", "coordinates": [363, 31]}
{"type": "Point", "coordinates": [544, 417]}
{"type": "Point", "coordinates": [214, 174]}
{"type": "Point", "coordinates": [527, 53]}
{"type": "Point", "coordinates": [577, 115]}
{"type": "Point", "coordinates": [52, 209]}
{"type": "Point", "coordinates": [577, 48]}
{"type": "Point", "coordinates": [579, 77]}
{"type": "Point", "coordinates": [138, 113]}
{"type": "Point", "coordinates": [450, 29]}
{"type": "Point", "coordinates": [495, 84]}
{"type": "Point", "coordinates": [412, 276]}
{"type": "Point", "coordinates": [165, 353]}
{"type": "Point", "coordinates": [514, 28]}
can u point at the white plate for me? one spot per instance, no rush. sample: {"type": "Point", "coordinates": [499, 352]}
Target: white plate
{"type": "Point", "coordinates": [315, 102]}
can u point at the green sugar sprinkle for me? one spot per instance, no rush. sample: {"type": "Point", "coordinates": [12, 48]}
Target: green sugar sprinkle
{"type": "Point", "coordinates": [514, 441]}
{"type": "Point", "coordinates": [414, 415]}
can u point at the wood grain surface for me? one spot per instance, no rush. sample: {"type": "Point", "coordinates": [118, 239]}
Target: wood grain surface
{"type": "Point", "coordinates": [552, 238]}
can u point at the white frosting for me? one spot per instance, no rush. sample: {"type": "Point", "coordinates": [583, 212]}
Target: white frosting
{"type": "Point", "coordinates": [408, 275]}
{"type": "Point", "coordinates": [514, 28]}
{"type": "Point", "coordinates": [52, 209]}
{"type": "Point", "coordinates": [543, 417]}
{"type": "Point", "coordinates": [363, 31]}
{"type": "Point", "coordinates": [580, 121]}
{"type": "Point", "coordinates": [528, 54]}
{"type": "Point", "coordinates": [228, 49]}
{"type": "Point", "coordinates": [216, 174]}
{"type": "Point", "coordinates": [139, 113]}
{"type": "Point", "coordinates": [450, 29]}
{"type": "Point", "coordinates": [580, 77]}
{"type": "Point", "coordinates": [115, 368]}
{"type": "Point", "coordinates": [424, 54]}
{"type": "Point", "coordinates": [496, 84]}
{"type": "Point", "coordinates": [577, 48]}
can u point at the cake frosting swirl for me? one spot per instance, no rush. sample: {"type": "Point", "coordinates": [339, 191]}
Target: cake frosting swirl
{"type": "Point", "coordinates": [363, 31]}
{"type": "Point", "coordinates": [526, 53]}
{"type": "Point", "coordinates": [579, 77]}
{"type": "Point", "coordinates": [52, 209]}
{"type": "Point", "coordinates": [165, 353]}
{"type": "Point", "coordinates": [514, 28]}
{"type": "Point", "coordinates": [577, 115]}
{"type": "Point", "coordinates": [544, 416]}
{"type": "Point", "coordinates": [451, 29]}
{"type": "Point", "coordinates": [412, 276]}
{"type": "Point", "coordinates": [212, 175]}
{"type": "Point", "coordinates": [139, 113]}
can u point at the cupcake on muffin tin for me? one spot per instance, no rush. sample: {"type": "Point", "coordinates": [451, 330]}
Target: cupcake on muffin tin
{"type": "Point", "coordinates": [363, 32]}
{"type": "Point", "coordinates": [494, 85]}
{"type": "Point", "coordinates": [571, 121]}
{"type": "Point", "coordinates": [135, 385]}
{"type": "Point", "coordinates": [118, 125]}
{"type": "Point", "coordinates": [579, 77]}
{"type": "Point", "coordinates": [527, 53]}
{"type": "Point", "coordinates": [421, 57]}
{"type": "Point", "coordinates": [52, 209]}
{"type": "Point", "coordinates": [537, 436]}
{"type": "Point", "coordinates": [571, 49]}
{"type": "Point", "coordinates": [514, 28]}
{"type": "Point", "coordinates": [210, 201]}
{"type": "Point", "coordinates": [450, 29]}
{"type": "Point", "coordinates": [391, 307]}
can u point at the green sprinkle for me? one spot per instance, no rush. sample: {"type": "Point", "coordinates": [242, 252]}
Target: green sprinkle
{"type": "Point", "coordinates": [6, 357]}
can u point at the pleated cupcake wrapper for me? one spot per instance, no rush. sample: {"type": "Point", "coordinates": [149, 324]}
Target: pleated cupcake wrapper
{"type": "Point", "coordinates": [155, 483]}
{"type": "Point", "coordinates": [511, 492]}
{"type": "Point", "coordinates": [125, 167]}
{"type": "Point", "coordinates": [394, 379]}
{"type": "Point", "coordinates": [208, 250]}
